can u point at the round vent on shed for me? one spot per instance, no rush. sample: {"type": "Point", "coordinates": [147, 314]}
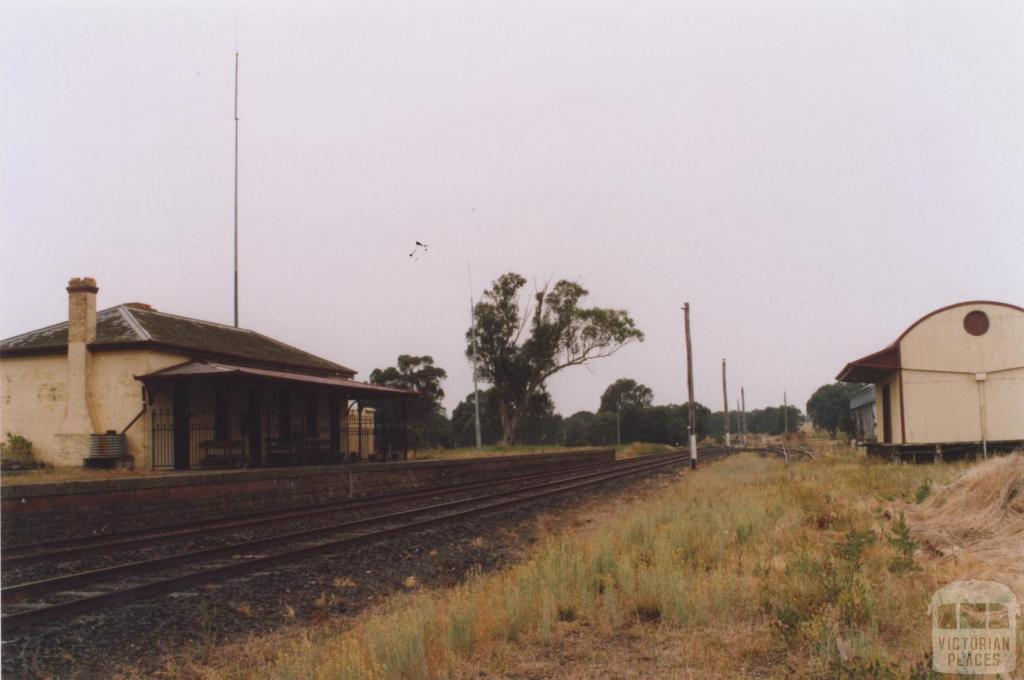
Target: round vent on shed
{"type": "Point", "coordinates": [976, 322]}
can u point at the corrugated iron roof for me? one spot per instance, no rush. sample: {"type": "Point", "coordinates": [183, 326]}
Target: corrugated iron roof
{"type": "Point", "coordinates": [125, 326]}
{"type": "Point", "coordinates": [210, 368]}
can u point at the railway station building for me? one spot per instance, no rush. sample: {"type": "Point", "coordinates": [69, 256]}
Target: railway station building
{"type": "Point", "coordinates": [953, 381]}
{"type": "Point", "coordinates": [130, 385]}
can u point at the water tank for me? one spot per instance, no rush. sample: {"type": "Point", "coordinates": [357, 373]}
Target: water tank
{"type": "Point", "coordinates": [110, 444]}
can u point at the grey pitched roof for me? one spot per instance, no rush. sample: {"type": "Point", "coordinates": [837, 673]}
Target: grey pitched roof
{"type": "Point", "coordinates": [126, 326]}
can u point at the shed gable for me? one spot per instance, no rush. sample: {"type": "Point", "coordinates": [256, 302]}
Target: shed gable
{"type": "Point", "coordinates": [972, 337]}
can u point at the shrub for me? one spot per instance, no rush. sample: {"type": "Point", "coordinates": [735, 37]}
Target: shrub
{"type": "Point", "coordinates": [923, 491]}
{"type": "Point", "coordinates": [17, 449]}
{"type": "Point", "coordinates": [856, 542]}
{"type": "Point", "coordinates": [905, 547]}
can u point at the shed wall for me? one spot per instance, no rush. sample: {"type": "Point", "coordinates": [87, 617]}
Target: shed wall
{"type": "Point", "coordinates": [940, 360]}
{"type": "Point", "coordinates": [941, 343]}
{"type": "Point", "coordinates": [893, 382]}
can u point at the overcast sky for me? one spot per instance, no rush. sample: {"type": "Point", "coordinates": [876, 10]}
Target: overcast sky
{"type": "Point", "coordinates": [811, 176]}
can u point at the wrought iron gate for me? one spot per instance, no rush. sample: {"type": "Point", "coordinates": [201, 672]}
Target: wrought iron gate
{"type": "Point", "coordinates": [196, 428]}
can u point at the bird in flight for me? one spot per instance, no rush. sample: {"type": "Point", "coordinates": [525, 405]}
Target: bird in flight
{"type": "Point", "coordinates": [419, 245]}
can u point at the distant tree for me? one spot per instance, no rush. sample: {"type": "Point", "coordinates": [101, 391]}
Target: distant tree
{"type": "Point", "coordinates": [829, 407]}
{"type": "Point", "coordinates": [463, 427]}
{"type": "Point", "coordinates": [540, 424]}
{"type": "Point", "coordinates": [631, 395]}
{"type": "Point", "coordinates": [425, 412]}
{"type": "Point", "coordinates": [579, 429]}
{"type": "Point", "coordinates": [626, 400]}
{"type": "Point", "coordinates": [716, 424]}
{"type": "Point", "coordinates": [434, 432]}
{"type": "Point", "coordinates": [772, 419]}
{"type": "Point", "coordinates": [521, 344]}
{"type": "Point", "coordinates": [668, 424]}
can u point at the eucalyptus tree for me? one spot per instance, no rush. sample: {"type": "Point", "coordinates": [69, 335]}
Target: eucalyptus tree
{"type": "Point", "coordinates": [427, 418]}
{"type": "Point", "coordinates": [524, 340]}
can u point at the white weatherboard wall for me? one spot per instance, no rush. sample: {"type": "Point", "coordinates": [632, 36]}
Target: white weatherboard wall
{"type": "Point", "coordinates": [940, 360]}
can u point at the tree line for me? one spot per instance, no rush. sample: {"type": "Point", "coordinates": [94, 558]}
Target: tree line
{"type": "Point", "coordinates": [516, 342]}
{"type": "Point", "coordinates": [626, 413]}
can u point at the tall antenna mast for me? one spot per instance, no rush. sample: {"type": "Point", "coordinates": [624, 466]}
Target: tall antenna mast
{"type": "Point", "coordinates": [236, 186]}
{"type": "Point", "coordinates": [476, 388]}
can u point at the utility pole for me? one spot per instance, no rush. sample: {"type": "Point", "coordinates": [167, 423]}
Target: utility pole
{"type": "Point", "coordinates": [743, 414]}
{"type": "Point", "coordinates": [725, 398]}
{"type": "Point", "coordinates": [785, 426]}
{"type": "Point", "coordinates": [739, 423]}
{"type": "Point", "coordinates": [476, 388]}
{"type": "Point", "coordinates": [236, 189]}
{"type": "Point", "coordinates": [785, 415]}
{"type": "Point", "coordinates": [692, 426]}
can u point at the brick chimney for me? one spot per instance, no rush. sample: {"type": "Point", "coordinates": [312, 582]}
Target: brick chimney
{"type": "Point", "coordinates": [78, 421]}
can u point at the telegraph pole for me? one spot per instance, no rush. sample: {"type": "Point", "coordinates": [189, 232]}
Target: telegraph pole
{"type": "Point", "coordinates": [725, 398]}
{"type": "Point", "coordinates": [692, 426]}
{"type": "Point", "coordinates": [236, 189]}
{"type": "Point", "coordinates": [476, 388]}
{"type": "Point", "coordinates": [785, 426]}
{"type": "Point", "coordinates": [743, 414]}
{"type": "Point", "coordinates": [785, 415]}
{"type": "Point", "coordinates": [739, 423]}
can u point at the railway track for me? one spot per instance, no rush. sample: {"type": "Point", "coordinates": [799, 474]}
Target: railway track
{"type": "Point", "coordinates": [17, 556]}
{"type": "Point", "coordinates": [128, 582]}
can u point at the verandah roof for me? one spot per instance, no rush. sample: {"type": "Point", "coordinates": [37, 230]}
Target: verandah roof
{"type": "Point", "coordinates": [873, 368]}
{"type": "Point", "coordinates": [209, 368]}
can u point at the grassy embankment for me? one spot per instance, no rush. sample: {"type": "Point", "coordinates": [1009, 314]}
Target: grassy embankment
{"type": "Point", "coordinates": [748, 568]}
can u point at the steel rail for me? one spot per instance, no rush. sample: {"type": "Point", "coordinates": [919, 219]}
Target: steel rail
{"type": "Point", "coordinates": [20, 591]}
{"type": "Point", "coordinates": [83, 545]}
{"type": "Point", "coordinates": [44, 613]}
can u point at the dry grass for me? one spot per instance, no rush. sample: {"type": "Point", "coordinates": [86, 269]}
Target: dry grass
{"type": "Point", "coordinates": [748, 569]}
{"type": "Point", "coordinates": [977, 522]}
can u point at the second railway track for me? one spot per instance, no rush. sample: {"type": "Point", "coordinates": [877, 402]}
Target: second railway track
{"type": "Point", "coordinates": [120, 584]}
{"type": "Point", "coordinates": [17, 556]}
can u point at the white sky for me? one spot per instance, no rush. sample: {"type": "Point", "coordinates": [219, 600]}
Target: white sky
{"type": "Point", "coordinates": [812, 176]}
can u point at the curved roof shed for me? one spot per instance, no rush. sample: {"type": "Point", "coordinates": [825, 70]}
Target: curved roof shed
{"type": "Point", "coordinates": [955, 375]}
